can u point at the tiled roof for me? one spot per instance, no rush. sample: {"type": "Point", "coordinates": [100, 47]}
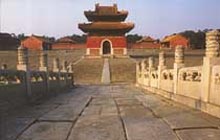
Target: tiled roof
{"type": "Point", "coordinates": [169, 38]}
{"type": "Point", "coordinates": [146, 39]}
{"type": "Point", "coordinates": [43, 39]}
{"type": "Point", "coordinates": [66, 40]}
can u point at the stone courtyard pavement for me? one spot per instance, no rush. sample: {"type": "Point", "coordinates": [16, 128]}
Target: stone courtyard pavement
{"type": "Point", "coordinates": [113, 112]}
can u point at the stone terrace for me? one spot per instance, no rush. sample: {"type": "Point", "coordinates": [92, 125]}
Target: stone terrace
{"type": "Point", "coordinates": [114, 112]}
{"type": "Point", "coordinates": [122, 70]}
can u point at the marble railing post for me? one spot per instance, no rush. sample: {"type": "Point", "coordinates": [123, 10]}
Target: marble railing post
{"type": "Point", "coordinates": [44, 67]}
{"type": "Point", "coordinates": [56, 65]}
{"type": "Point", "coordinates": [161, 66]}
{"type": "Point", "coordinates": [71, 70]}
{"type": "Point", "coordinates": [178, 64]}
{"type": "Point", "coordinates": [137, 72]}
{"type": "Point", "coordinates": [64, 66]}
{"type": "Point", "coordinates": [56, 68]}
{"type": "Point", "coordinates": [64, 70]}
{"type": "Point", "coordinates": [143, 70]}
{"type": "Point", "coordinates": [22, 59]}
{"type": "Point", "coordinates": [150, 68]}
{"type": "Point", "coordinates": [43, 61]}
{"type": "Point", "coordinates": [151, 63]}
{"type": "Point", "coordinates": [211, 59]}
{"type": "Point", "coordinates": [24, 66]}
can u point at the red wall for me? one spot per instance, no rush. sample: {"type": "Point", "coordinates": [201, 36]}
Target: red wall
{"type": "Point", "coordinates": [179, 41]}
{"type": "Point", "coordinates": [117, 42]}
{"type": "Point", "coordinates": [32, 43]}
{"type": "Point", "coordinates": [68, 46]}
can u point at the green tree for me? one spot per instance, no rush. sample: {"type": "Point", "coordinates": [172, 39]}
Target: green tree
{"type": "Point", "coordinates": [133, 38]}
{"type": "Point", "coordinates": [197, 39]}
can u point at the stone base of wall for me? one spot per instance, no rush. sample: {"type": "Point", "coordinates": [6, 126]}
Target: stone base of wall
{"type": "Point", "coordinates": [206, 107]}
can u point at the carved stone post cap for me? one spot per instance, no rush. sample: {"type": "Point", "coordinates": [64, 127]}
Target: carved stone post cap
{"type": "Point", "coordinates": [213, 33]}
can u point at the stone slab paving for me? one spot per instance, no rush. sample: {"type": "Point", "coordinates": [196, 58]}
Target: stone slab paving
{"type": "Point", "coordinates": [106, 73]}
{"type": "Point", "coordinates": [47, 131]}
{"type": "Point", "coordinates": [98, 128]}
{"type": "Point", "coordinates": [110, 112]}
{"type": "Point", "coordinates": [199, 134]}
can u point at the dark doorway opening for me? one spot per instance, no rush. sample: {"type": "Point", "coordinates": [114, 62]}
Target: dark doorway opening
{"type": "Point", "coordinates": [106, 48]}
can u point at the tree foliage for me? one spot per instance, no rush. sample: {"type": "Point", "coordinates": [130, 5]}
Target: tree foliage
{"type": "Point", "coordinates": [132, 38]}
{"type": "Point", "coordinates": [79, 38]}
{"type": "Point", "coordinates": [196, 38]}
{"type": "Point", "coordinates": [21, 36]}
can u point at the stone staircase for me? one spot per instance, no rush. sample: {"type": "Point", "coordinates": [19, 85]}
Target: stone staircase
{"type": "Point", "coordinates": [88, 71]}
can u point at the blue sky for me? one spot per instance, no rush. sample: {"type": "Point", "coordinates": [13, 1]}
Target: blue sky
{"type": "Point", "coordinates": [156, 18]}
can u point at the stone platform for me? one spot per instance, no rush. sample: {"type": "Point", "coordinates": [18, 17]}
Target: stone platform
{"type": "Point", "coordinates": [113, 112]}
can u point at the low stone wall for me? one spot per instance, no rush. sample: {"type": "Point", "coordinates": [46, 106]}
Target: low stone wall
{"type": "Point", "coordinates": [197, 87]}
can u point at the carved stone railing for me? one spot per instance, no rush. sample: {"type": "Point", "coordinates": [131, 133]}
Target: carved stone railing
{"type": "Point", "coordinates": [216, 75]}
{"type": "Point", "coordinates": [37, 76]}
{"type": "Point", "coordinates": [217, 78]}
{"type": "Point", "coordinates": [154, 74]}
{"type": "Point", "coordinates": [24, 85]}
{"type": "Point", "coordinates": [167, 74]}
{"type": "Point", "coordinates": [193, 74]}
{"type": "Point", "coordinates": [11, 77]}
{"type": "Point", "coordinates": [198, 86]}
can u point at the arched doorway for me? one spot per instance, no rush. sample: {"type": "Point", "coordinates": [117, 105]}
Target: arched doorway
{"type": "Point", "coordinates": [106, 47]}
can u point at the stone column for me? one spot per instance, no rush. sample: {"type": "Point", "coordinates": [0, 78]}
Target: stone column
{"type": "Point", "coordinates": [70, 68]}
{"type": "Point", "coordinates": [56, 68]}
{"type": "Point", "coordinates": [151, 63]}
{"type": "Point", "coordinates": [43, 61]}
{"type": "Point", "coordinates": [211, 59]}
{"type": "Point", "coordinates": [64, 70]}
{"type": "Point", "coordinates": [64, 66]}
{"type": "Point", "coordinates": [161, 66]}
{"type": "Point", "coordinates": [22, 59]}
{"type": "Point", "coordinates": [143, 68]}
{"type": "Point", "coordinates": [162, 60]}
{"type": "Point", "coordinates": [143, 65]}
{"type": "Point", "coordinates": [138, 72]}
{"type": "Point", "coordinates": [178, 64]}
{"type": "Point", "coordinates": [23, 66]}
{"type": "Point", "coordinates": [151, 67]}
{"type": "Point", "coordinates": [212, 44]}
{"type": "Point", "coordinates": [56, 65]}
{"type": "Point", "coordinates": [44, 67]}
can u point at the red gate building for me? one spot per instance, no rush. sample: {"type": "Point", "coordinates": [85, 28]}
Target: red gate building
{"type": "Point", "coordinates": [106, 31]}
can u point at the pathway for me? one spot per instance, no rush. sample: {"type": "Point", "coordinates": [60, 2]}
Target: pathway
{"type": "Point", "coordinates": [113, 112]}
{"type": "Point", "coordinates": [106, 72]}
